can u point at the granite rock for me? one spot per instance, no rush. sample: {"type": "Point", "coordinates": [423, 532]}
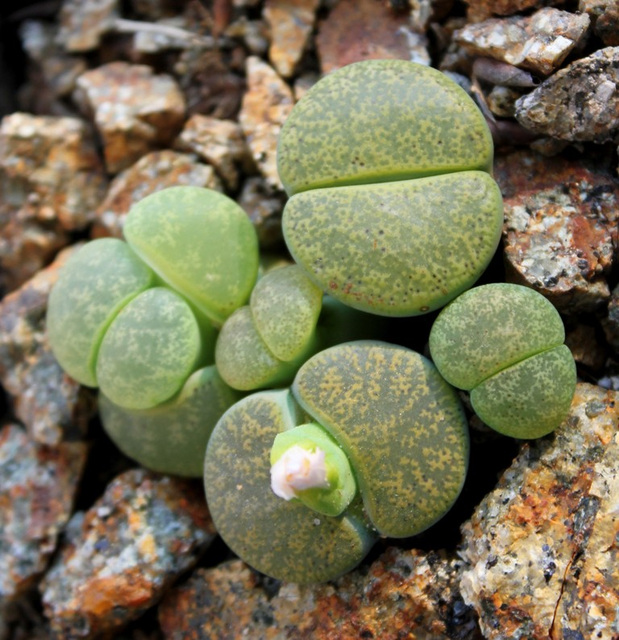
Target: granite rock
{"type": "Point", "coordinates": [605, 17]}
{"type": "Point", "coordinates": [541, 550]}
{"type": "Point", "coordinates": [134, 110]}
{"type": "Point", "coordinates": [291, 23]}
{"type": "Point", "coordinates": [37, 490]}
{"type": "Point", "coordinates": [83, 22]}
{"type": "Point", "coordinates": [51, 180]}
{"type": "Point", "coordinates": [266, 105]}
{"type": "Point", "coordinates": [403, 594]}
{"type": "Point", "coordinates": [153, 172]}
{"type": "Point", "coordinates": [52, 406]}
{"type": "Point", "coordinates": [365, 30]}
{"type": "Point", "coordinates": [123, 553]}
{"type": "Point", "coordinates": [560, 229]}
{"type": "Point", "coordinates": [217, 142]}
{"type": "Point", "coordinates": [539, 42]}
{"type": "Point", "coordinates": [579, 102]}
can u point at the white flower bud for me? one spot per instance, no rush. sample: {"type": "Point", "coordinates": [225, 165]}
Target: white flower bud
{"type": "Point", "coordinates": [299, 469]}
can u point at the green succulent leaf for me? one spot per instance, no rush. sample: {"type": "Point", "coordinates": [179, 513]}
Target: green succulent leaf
{"type": "Point", "coordinates": [285, 540]}
{"type": "Point", "coordinates": [379, 121]}
{"type": "Point", "coordinates": [172, 437]}
{"type": "Point", "coordinates": [331, 500]}
{"type": "Point", "coordinates": [201, 243]}
{"type": "Point", "coordinates": [149, 350]}
{"type": "Point", "coordinates": [399, 248]}
{"type": "Point", "coordinates": [400, 424]}
{"type": "Point", "coordinates": [243, 358]}
{"type": "Point", "coordinates": [531, 398]}
{"type": "Point", "coordinates": [93, 286]}
{"type": "Point", "coordinates": [489, 328]}
{"type": "Point", "coordinates": [285, 306]}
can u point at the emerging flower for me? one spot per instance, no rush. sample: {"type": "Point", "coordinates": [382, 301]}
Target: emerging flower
{"type": "Point", "coordinates": [299, 469]}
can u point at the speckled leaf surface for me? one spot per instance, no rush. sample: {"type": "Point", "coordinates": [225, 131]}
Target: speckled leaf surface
{"type": "Point", "coordinates": [201, 243]}
{"type": "Point", "coordinates": [244, 360]}
{"type": "Point", "coordinates": [172, 437]}
{"type": "Point", "coordinates": [93, 286]}
{"type": "Point", "coordinates": [285, 305]}
{"type": "Point", "coordinates": [531, 398]}
{"type": "Point", "coordinates": [398, 248]}
{"type": "Point", "coordinates": [381, 120]}
{"type": "Point", "coordinates": [400, 424]}
{"type": "Point", "coordinates": [149, 350]}
{"type": "Point", "coordinates": [490, 328]}
{"type": "Point", "coordinates": [283, 539]}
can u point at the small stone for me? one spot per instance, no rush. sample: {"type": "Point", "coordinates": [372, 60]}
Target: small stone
{"type": "Point", "coordinates": [83, 22]}
{"type": "Point", "coordinates": [291, 23]}
{"type": "Point", "coordinates": [366, 30]}
{"type": "Point", "coordinates": [52, 406]}
{"type": "Point", "coordinates": [585, 346]}
{"type": "Point", "coordinates": [541, 551]}
{"type": "Point", "coordinates": [123, 553]}
{"type": "Point", "coordinates": [425, 12]}
{"type": "Point", "coordinates": [560, 227]}
{"type": "Point", "coordinates": [134, 110]}
{"type": "Point", "coordinates": [37, 489]}
{"type": "Point", "coordinates": [218, 142]}
{"type": "Point", "coordinates": [539, 42]}
{"type": "Point", "coordinates": [303, 84]}
{"type": "Point", "coordinates": [266, 105]}
{"type": "Point", "coordinates": [51, 180]}
{"type": "Point", "coordinates": [611, 322]}
{"type": "Point", "coordinates": [501, 101]}
{"type": "Point", "coordinates": [403, 594]}
{"type": "Point", "coordinates": [264, 209]}
{"type": "Point", "coordinates": [479, 10]}
{"type": "Point", "coordinates": [578, 103]}
{"type": "Point", "coordinates": [605, 17]}
{"type": "Point", "coordinates": [153, 172]}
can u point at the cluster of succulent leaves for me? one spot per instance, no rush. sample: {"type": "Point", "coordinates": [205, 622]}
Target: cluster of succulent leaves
{"type": "Point", "coordinates": [392, 212]}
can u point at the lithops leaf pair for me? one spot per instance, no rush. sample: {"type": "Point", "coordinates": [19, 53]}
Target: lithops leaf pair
{"type": "Point", "coordinates": [138, 318]}
{"type": "Point", "coordinates": [392, 208]}
{"type": "Point", "coordinates": [287, 320]}
{"type": "Point", "coordinates": [504, 344]}
{"type": "Point", "coordinates": [404, 440]}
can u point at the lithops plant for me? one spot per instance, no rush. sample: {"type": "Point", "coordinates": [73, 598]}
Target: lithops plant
{"type": "Point", "coordinates": [369, 441]}
{"type": "Point", "coordinates": [287, 320]}
{"type": "Point", "coordinates": [504, 343]}
{"type": "Point", "coordinates": [138, 318]}
{"type": "Point", "coordinates": [392, 207]}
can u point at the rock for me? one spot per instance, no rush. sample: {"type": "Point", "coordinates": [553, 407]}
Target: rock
{"type": "Point", "coordinates": [605, 17]}
{"type": "Point", "coordinates": [264, 209]}
{"type": "Point", "coordinates": [37, 489]}
{"type": "Point", "coordinates": [83, 22]}
{"type": "Point", "coordinates": [59, 70]}
{"type": "Point", "coordinates": [541, 552]}
{"type": "Point", "coordinates": [365, 30]}
{"type": "Point", "coordinates": [153, 172]}
{"type": "Point", "coordinates": [501, 101]}
{"type": "Point", "coordinates": [51, 180]}
{"type": "Point", "coordinates": [52, 406]}
{"type": "Point", "coordinates": [479, 10]}
{"type": "Point", "coordinates": [611, 322]}
{"type": "Point", "coordinates": [266, 105]}
{"type": "Point", "coordinates": [219, 143]}
{"type": "Point", "coordinates": [586, 347]}
{"type": "Point", "coordinates": [403, 594]}
{"type": "Point", "coordinates": [134, 110]}
{"type": "Point", "coordinates": [210, 86]}
{"type": "Point", "coordinates": [291, 23]}
{"type": "Point", "coordinates": [578, 103]}
{"type": "Point", "coordinates": [560, 228]}
{"type": "Point", "coordinates": [123, 553]}
{"type": "Point", "coordinates": [425, 12]}
{"type": "Point", "coordinates": [539, 42]}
